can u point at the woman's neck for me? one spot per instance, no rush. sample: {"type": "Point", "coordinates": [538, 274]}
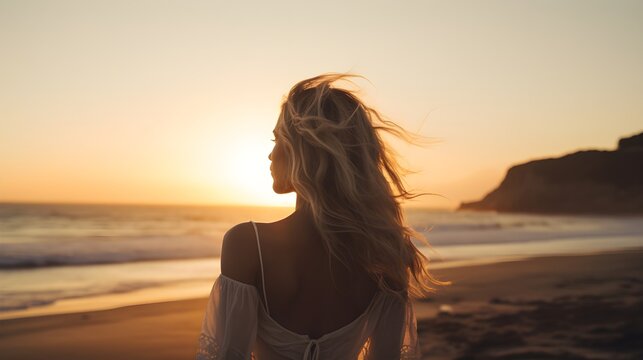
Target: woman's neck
{"type": "Point", "coordinates": [303, 211]}
{"type": "Point", "coordinates": [301, 204]}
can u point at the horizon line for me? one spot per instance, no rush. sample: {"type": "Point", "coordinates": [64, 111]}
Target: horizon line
{"type": "Point", "coordinates": [160, 204]}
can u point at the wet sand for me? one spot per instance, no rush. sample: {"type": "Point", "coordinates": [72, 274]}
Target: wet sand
{"type": "Point", "coordinates": [555, 307]}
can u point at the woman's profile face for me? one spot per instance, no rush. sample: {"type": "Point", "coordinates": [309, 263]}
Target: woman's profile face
{"type": "Point", "coordinates": [279, 167]}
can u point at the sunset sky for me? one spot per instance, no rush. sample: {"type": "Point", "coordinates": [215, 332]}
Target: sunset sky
{"type": "Point", "coordinates": [175, 101]}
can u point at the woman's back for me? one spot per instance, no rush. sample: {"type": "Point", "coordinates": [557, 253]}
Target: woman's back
{"type": "Point", "coordinates": [303, 295]}
{"type": "Point", "coordinates": [307, 315]}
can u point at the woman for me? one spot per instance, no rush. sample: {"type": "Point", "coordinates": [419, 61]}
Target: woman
{"type": "Point", "coordinates": [334, 279]}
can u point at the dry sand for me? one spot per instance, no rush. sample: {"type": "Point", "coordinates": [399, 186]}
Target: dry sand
{"type": "Point", "coordinates": [567, 307]}
{"type": "Point", "coordinates": [557, 307]}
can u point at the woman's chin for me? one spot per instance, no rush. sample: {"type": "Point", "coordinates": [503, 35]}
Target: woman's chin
{"type": "Point", "coordinates": [279, 189]}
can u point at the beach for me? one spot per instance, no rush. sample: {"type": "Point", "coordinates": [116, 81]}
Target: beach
{"type": "Point", "coordinates": [550, 307]}
{"type": "Point", "coordinates": [556, 307]}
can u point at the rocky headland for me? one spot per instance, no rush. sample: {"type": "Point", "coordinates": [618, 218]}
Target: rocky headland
{"type": "Point", "coordinates": [585, 182]}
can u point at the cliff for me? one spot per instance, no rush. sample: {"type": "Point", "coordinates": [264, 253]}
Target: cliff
{"type": "Point", "coordinates": [589, 182]}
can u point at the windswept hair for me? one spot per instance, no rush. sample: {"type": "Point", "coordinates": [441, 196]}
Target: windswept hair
{"type": "Point", "coordinates": [348, 177]}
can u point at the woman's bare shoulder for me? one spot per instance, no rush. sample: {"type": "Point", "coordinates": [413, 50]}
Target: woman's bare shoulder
{"type": "Point", "coordinates": [239, 255]}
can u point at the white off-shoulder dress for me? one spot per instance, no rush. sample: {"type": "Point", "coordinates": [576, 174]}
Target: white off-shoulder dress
{"type": "Point", "coordinates": [237, 325]}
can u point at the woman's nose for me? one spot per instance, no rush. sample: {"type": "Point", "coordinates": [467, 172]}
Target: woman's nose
{"type": "Point", "coordinates": [270, 156]}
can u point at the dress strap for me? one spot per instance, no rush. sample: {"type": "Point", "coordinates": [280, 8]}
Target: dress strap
{"type": "Point", "coordinates": [263, 278]}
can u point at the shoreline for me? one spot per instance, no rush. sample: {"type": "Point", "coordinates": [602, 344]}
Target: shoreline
{"type": "Point", "coordinates": [457, 320]}
{"type": "Point", "coordinates": [196, 288]}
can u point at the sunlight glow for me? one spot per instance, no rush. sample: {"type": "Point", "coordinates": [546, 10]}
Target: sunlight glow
{"type": "Point", "coordinates": [244, 171]}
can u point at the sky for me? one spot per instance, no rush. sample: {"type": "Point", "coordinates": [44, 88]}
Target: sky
{"type": "Point", "coordinates": [174, 102]}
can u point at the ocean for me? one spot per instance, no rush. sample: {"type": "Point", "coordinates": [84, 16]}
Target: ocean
{"type": "Point", "coordinates": [58, 258]}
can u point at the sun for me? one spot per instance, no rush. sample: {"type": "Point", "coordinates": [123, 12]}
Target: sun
{"type": "Point", "coordinates": [244, 173]}
{"type": "Point", "coordinates": [248, 166]}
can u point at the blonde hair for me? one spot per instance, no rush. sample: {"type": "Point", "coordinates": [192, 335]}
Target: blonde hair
{"type": "Point", "coordinates": [349, 179]}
